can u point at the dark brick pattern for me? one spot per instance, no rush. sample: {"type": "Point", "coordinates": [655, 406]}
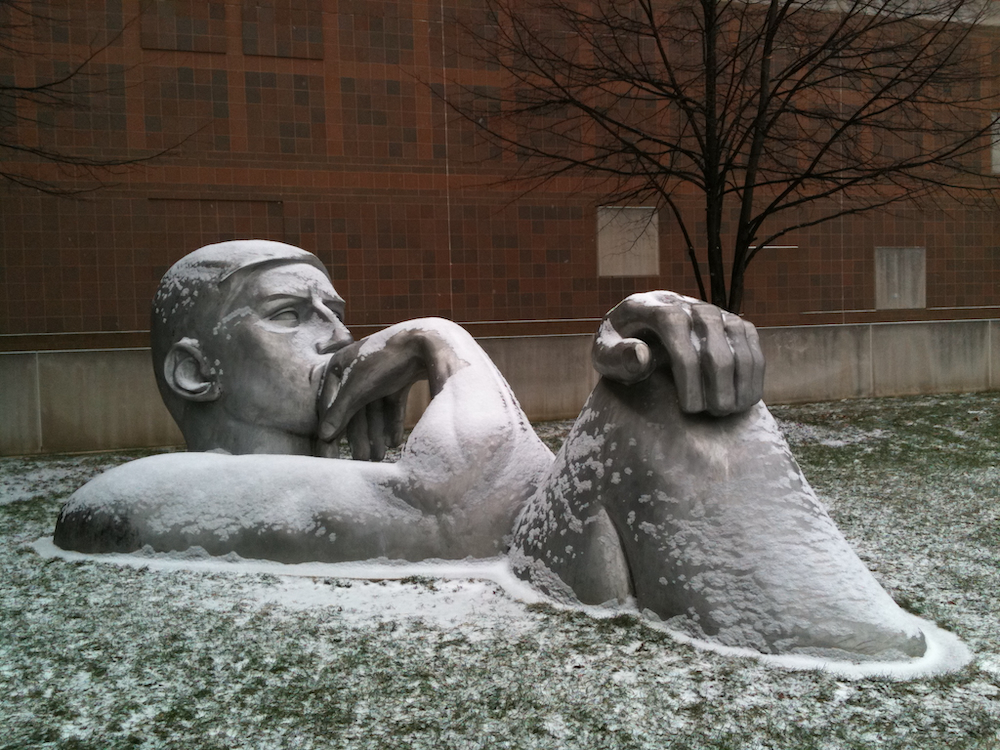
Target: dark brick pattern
{"type": "Point", "coordinates": [87, 111]}
{"type": "Point", "coordinates": [283, 28]}
{"type": "Point", "coordinates": [94, 23]}
{"type": "Point", "coordinates": [186, 105]}
{"type": "Point", "coordinates": [378, 118]}
{"type": "Point", "coordinates": [286, 113]}
{"type": "Point", "coordinates": [446, 42]}
{"type": "Point", "coordinates": [184, 25]}
{"type": "Point", "coordinates": [376, 31]}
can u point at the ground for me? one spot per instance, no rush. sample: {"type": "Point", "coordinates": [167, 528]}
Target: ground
{"type": "Point", "coordinates": [99, 655]}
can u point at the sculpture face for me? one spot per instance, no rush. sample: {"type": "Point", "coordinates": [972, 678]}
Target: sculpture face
{"type": "Point", "coordinates": [272, 344]}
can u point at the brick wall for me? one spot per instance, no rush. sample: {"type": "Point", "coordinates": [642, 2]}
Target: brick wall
{"type": "Point", "coordinates": [321, 124]}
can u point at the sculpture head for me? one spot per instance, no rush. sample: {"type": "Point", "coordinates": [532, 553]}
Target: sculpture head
{"type": "Point", "coordinates": [241, 334]}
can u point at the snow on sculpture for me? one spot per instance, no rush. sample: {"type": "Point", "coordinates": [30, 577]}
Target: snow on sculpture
{"type": "Point", "coordinates": [674, 486]}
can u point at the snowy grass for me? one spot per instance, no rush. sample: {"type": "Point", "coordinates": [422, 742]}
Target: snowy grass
{"type": "Point", "coordinates": [94, 655]}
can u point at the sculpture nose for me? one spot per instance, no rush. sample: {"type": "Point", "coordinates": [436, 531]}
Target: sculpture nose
{"type": "Point", "coordinates": [339, 338]}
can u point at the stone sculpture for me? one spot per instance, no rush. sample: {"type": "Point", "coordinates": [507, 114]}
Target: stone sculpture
{"type": "Point", "coordinates": [674, 486]}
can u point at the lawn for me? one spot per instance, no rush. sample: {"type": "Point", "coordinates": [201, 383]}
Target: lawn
{"type": "Point", "coordinates": [189, 653]}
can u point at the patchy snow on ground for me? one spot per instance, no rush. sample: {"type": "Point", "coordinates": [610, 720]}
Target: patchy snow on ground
{"type": "Point", "coordinates": [797, 432]}
{"type": "Point", "coordinates": [193, 652]}
{"type": "Point", "coordinates": [471, 594]}
{"type": "Point", "coordinates": [443, 593]}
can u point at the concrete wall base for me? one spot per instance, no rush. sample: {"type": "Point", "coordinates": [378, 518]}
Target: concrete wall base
{"type": "Point", "coordinates": [69, 401]}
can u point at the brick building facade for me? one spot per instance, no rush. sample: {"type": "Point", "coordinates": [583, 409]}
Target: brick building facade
{"type": "Point", "coordinates": [321, 124]}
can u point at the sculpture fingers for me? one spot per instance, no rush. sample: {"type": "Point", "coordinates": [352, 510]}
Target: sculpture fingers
{"type": "Point", "coordinates": [376, 430]}
{"type": "Point", "coordinates": [373, 375]}
{"type": "Point", "coordinates": [743, 363]}
{"type": "Point", "coordinates": [747, 360]}
{"type": "Point", "coordinates": [714, 356]}
{"type": "Point", "coordinates": [718, 366]}
{"type": "Point", "coordinates": [357, 437]}
{"type": "Point", "coordinates": [335, 416]}
{"type": "Point", "coordinates": [674, 326]}
{"type": "Point", "coordinates": [394, 413]}
{"type": "Point", "coordinates": [346, 407]}
{"type": "Point", "coordinates": [328, 448]}
{"type": "Point", "coordinates": [332, 410]}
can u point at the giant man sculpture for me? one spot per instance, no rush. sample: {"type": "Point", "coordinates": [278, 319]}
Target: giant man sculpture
{"type": "Point", "coordinates": [674, 485]}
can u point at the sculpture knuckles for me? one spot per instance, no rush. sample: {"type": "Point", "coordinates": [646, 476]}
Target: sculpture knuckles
{"type": "Point", "coordinates": [674, 487]}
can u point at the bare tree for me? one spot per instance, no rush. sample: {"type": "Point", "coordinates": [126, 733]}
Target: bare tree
{"type": "Point", "coordinates": [778, 114]}
{"type": "Point", "coordinates": [83, 92]}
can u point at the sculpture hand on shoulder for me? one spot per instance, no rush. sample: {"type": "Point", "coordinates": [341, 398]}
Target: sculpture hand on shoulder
{"type": "Point", "coordinates": [367, 383]}
{"type": "Point", "coordinates": [714, 356]}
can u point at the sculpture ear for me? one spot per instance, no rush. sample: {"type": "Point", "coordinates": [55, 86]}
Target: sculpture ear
{"type": "Point", "coordinates": [188, 374]}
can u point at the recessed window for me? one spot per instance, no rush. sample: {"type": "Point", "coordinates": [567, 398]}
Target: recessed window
{"type": "Point", "coordinates": [900, 278]}
{"type": "Point", "coordinates": [628, 241]}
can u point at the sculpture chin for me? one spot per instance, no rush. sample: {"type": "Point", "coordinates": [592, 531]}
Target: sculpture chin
{"type": "Point", "coordinates": [723, 537]}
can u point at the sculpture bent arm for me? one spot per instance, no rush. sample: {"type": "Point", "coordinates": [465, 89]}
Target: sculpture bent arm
{"type": "Point", "coordinates": [472, 458]}
{"type": "Point", "coordinates": [468, 467]}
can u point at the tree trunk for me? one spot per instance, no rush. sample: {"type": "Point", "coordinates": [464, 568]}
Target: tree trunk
{"type": "Point", "coordinates": [736, 289]}
{"type": "Point", "coordinates": [714, 180]}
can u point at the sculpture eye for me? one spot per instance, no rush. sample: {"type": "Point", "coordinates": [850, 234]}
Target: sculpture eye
{"type": "Point", "coordinates": [286, 317]}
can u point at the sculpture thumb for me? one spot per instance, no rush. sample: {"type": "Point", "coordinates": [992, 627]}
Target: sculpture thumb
{"type": "Point", "coordinates": [626, 360]}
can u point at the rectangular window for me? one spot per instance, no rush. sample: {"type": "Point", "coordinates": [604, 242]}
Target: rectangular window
{"type": "Point", "coordinates": [628, 241]}
{"type": "Point", "coordinates": [900, 278]}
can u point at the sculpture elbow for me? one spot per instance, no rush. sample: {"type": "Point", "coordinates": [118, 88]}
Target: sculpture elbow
{"type": "Point", "coordinates": [85, 529]}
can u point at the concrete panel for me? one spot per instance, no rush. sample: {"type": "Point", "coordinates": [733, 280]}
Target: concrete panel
{"type": "Point", "coordinates": [995, 355]}
{"type": "Point", "coordinates": [99, 400]}
{"type": "Point", "coordinates": [816, 363]}
{"type": "Point", "coordinates": [104, 400]}
{"type": "Point", "coordinates": [551, 375]}
{"type": "Point", "coordinates": [938, 357]}
{"type": "Point", "coordinates": [19, 427]}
